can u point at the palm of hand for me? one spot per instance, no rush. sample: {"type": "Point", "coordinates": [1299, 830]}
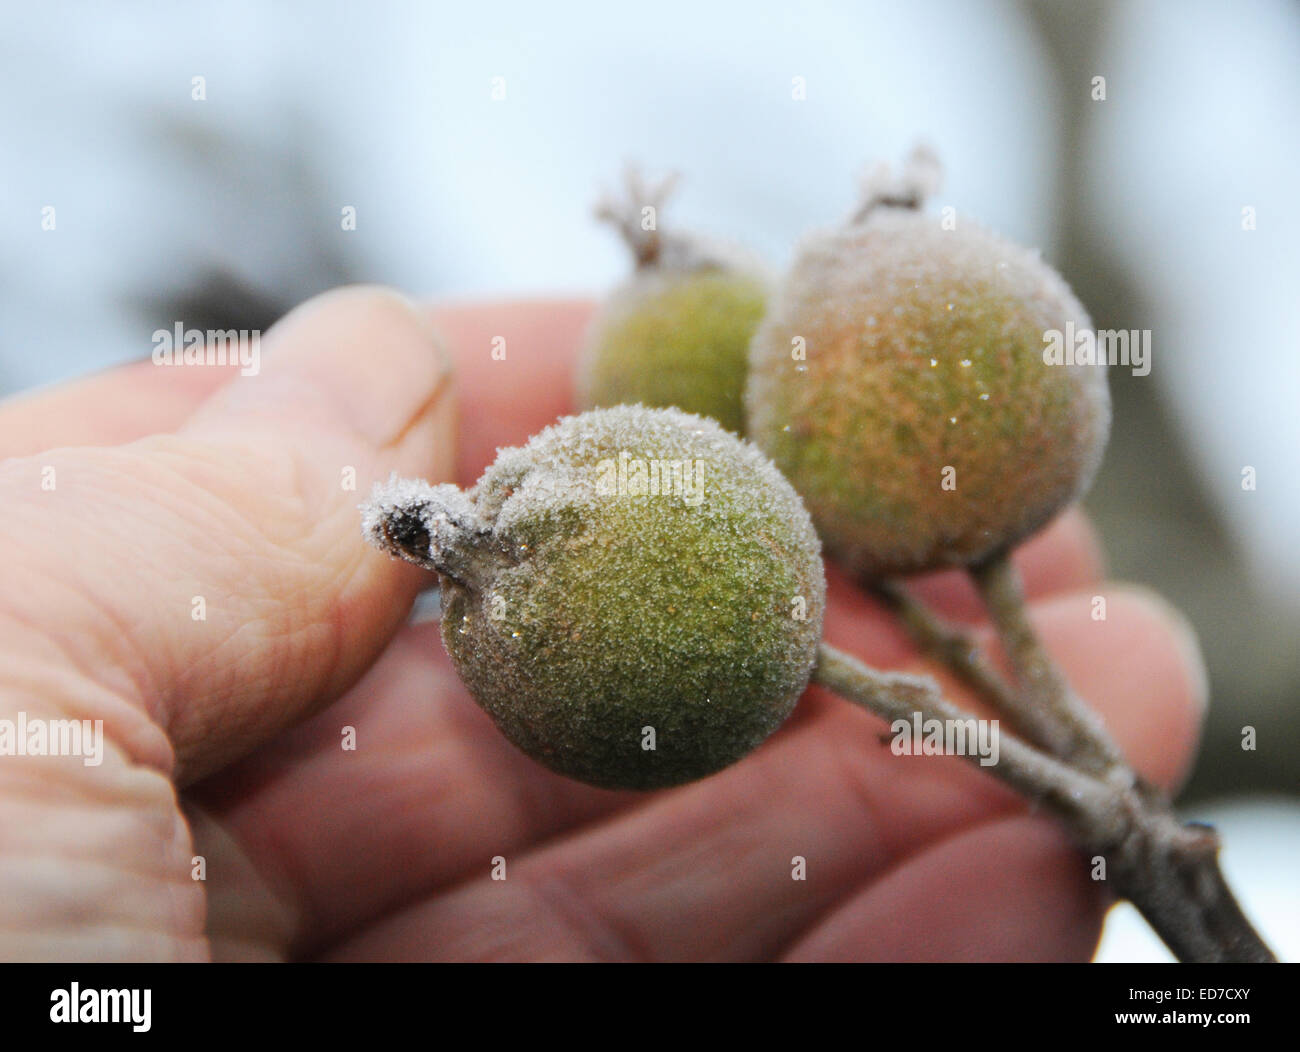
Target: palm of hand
{"type": "Point", "coordinates": [389, 850]}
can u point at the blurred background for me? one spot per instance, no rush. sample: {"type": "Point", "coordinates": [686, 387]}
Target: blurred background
{"type": "Point", "coordinates": [198, 162]}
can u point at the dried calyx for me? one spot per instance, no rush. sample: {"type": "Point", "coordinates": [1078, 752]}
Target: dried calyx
{"type": "Point", "coordinates": [677, 332]}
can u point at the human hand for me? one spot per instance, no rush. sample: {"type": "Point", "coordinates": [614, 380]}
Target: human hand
{"type": "Point", "coordinates": [224, 737]}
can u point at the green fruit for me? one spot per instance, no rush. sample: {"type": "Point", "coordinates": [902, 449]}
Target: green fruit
{"type": "Point", "coordinates": [678, 333]}
{"type": "Point", "coordinates": [675, 339]}
{"type": "Point", "coordinates": [630, 577]}
{"type": "Point", "coordinates": [924, 429]}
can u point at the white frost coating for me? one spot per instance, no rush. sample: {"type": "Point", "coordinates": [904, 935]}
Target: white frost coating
{"type": "Point", "coordinates": [560, 464]}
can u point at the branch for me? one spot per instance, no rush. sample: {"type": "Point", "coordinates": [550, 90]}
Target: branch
{"type": "Point", "coordinates": [1070, 729]}
{"type": "Point", "coordinates": [964, 658]}
{"type": "Point", "coordinates": [894, 696]}
{"type": "Point", "coordinates": [1169, 871]}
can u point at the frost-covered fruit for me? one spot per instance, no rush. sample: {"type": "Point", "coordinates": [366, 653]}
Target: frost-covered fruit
{"type": "Point", "coordinates": [923, 427]}
{"type": "Point", "coordinates": [635, 596]}
{"type": "Point", "coordinates": [677, 333]}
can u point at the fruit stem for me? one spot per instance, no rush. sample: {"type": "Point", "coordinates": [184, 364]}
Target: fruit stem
{"type": "Point", "coordinates": [964, 657]}
{"type": "Point", "coordinates": [629, 217]}
{"type": "Point", "coordinates": [893, 696]}
{"type": "Point", "coordinates": [1168, 870]}
{"type": "Point", "coordinates": [1060, 721]}
{"type": "Point", "coordinates": [957, 650]}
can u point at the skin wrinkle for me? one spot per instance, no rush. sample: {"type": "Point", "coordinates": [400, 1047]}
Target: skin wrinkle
{"type": "Point", "coordinates": [131, 790]}
{"type": "Point", "coordinates": [65, 852]}
{"type": "Point", "coordinates": [125, 663]}
{"type": "Point", "coordinates": [247, 561]}
{"type": "Point", "coordinates": [264, 630]}
{"type": "Point", "coordinates": [96, 943]}
{"type": "Point", "coordinates": [135, 666]}
{"type": "Point", "coordinates": [331, 620]}
{"type": "Point", "coordinates": [98, 701]}
{"type": "Point", "coordinates": [892, 867]}
{"type": "Point", "coordinates": [351, 590]}
{"type": "Point", "coordinates": [169, 837]}
{"type": "Point", "coordinates": [153, 880]}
